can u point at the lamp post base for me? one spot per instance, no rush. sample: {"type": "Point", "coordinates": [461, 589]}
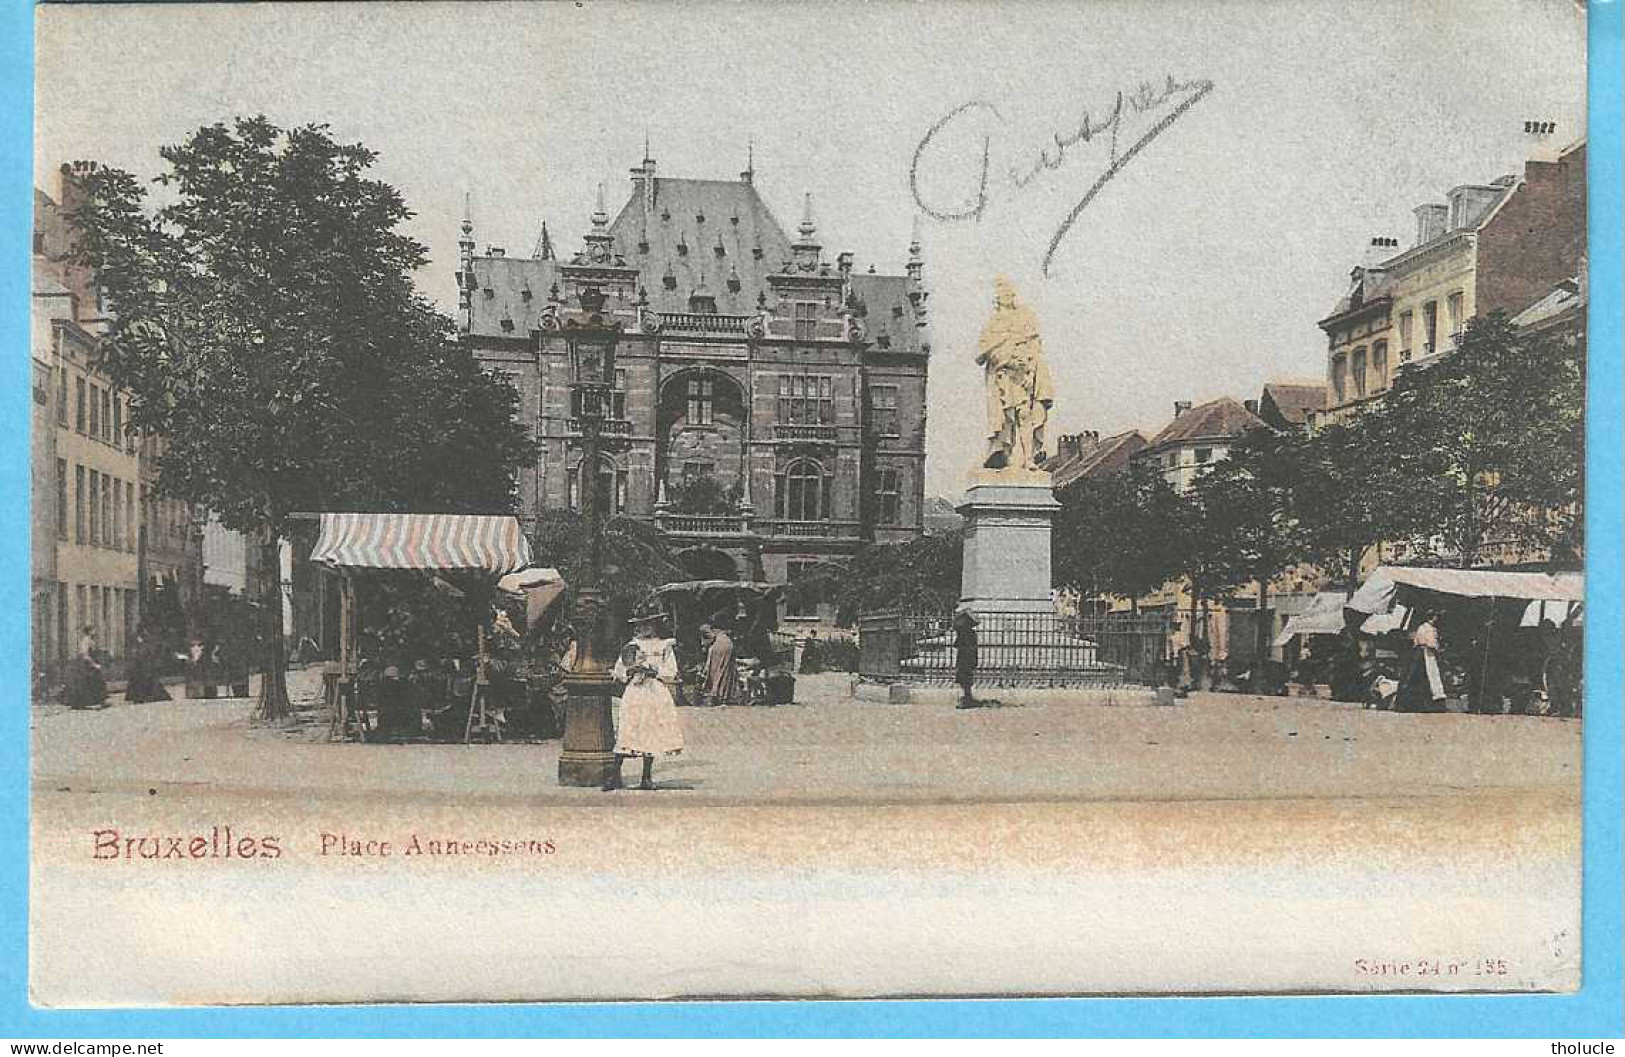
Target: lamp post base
{"type": "Point", "coordinates": [588, 756]}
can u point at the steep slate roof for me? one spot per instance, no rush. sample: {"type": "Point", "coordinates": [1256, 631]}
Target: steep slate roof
{"type": "Point", "coordinates": [701, 214]}
{"type": "Point", "coordinates": [697, 215]}
{"type": "Point", "coordinates": [1294, 400]}
{"type": "Point", "coordinates": [886, 312]}
{"type": "Point", "coordinates": [508, 279]}
{"type": "Point", "coordinates": [1216, 418]}
{"type": "Point", "coordinates": [1106, 457]}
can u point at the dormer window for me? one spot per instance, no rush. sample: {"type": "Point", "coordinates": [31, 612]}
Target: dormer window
{"type": "Point", "coordinates": [524, 295]}
{"type": "Point", "coordinates": [705, 304]}
{"type": "Point", "coordinates": [489, 293]}
{"type": "Point", "coordinates": [699, 218]}
{"type": "Point", "coordinates": [897, 311]}
{"type": "Point", "coordinates": [682, 246]}
{"type": "Point", "coordinates": [507, 325]}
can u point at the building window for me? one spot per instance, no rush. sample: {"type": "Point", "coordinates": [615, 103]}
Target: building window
{"type": "Point", "coordinates": [1405, 336]}
{"type": "Point", "coordinates": [888, 497]}
{"type": "Point", "coordinates": [62, 397]}
{"type": "Point", "coordinates": [118, 421]}
{"type": "Point", "coordinates": [107, 416]}
{"type": "Point", "coordinates": [883, 410]}
{"type": "Point", "coordinates": [1379, 364]}
{"type": "Point", "coordinates": [803, 492]}
{"type": "Point", "coordinates": [610, 495]}
{"type": "Point", "coordinates": [806, 320]}
{"type": "Point", "coordinates": [79, 404]}
{"type": "Point", "coordinates": [1204, 455]}
{"type": "Point", "coordinates": [79, 504]}
{"type": "Point", "coordinates": [1430, 327]}
{"type": "Point", "coordinates": [61, 499]}
{"type": "Point", "coordinates": [1338, 381]}
{"type": "Point", "coordinates": [95, 410]}
{"type": "Point", "coordinates": [95, 509]}
{"type": "Point", "coordinates": [800, 604]}
{"type": "Point", "coordinates": [1359, 372]}
{"type": "Point", "coordinates": [617, 396]}
{"type": "Point", "coordinates": [1453, 306]}
{"type": "Point", "coordinates": [694, 470]}
{"type": "Point", "coordinates": [117, 539]}
{"type": "Point", "coordinates": [806, 399]}
{"type": "Point", "coordinates": [701, 401]}
{"type": "Point", "coordinates": [130, 524]}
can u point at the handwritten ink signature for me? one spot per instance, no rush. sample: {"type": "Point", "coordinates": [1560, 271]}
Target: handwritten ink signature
{"type": "Point", "coordinates": [1143, 100]}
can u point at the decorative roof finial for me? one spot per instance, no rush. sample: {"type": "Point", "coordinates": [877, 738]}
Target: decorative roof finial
{"type": "Point", "coordinates": [808, 229]}
{"type": "Point", "coordinates": [749, 175]}
{"type": "Point", "coordinates": [916, 262]}
{"type": "Point", "coordinates": [544, 245]}
{"type": "Point", "coordinates": [646, 158]}
{"type": "Point", "coordinates": [600, 219]}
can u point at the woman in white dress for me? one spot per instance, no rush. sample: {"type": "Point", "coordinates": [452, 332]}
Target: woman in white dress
{"type": "Point", "coordinates": [648, 724]}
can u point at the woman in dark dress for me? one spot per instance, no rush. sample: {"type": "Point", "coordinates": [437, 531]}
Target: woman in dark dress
{"type": "Point", "coordinates": [144, 683]}
{"type": "Point", "coordinates": [86, 686]}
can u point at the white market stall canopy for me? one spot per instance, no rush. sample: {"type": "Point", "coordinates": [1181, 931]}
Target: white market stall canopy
{"type": "Point", "coordinates": [1388, 584]}
{"type": "Point", "coordinates": [492, 543]}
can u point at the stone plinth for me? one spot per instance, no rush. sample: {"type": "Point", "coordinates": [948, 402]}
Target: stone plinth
{"type": "Point", "coordinates": [1007, 542]}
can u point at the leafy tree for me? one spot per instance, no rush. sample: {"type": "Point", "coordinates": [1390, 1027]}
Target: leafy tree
{"type": "Point", "coordinates": [265, 322]}
{"type": "Point", "coordinates": [1246, 509]}
{"type": "Point", "coordinates": [1484, 446]}
{"type": "Point", "coordinates": [1346, 495]}
{"type": "Point", "coordinates": [923, 574]}
{"type": "Point", "coordinates": [1117, 534]}
{"type": "Point", "coordinates": [703, 494]}
{"type": "Point", "coordinates": [637, 556]}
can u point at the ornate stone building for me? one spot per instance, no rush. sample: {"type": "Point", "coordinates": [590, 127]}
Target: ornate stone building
{"type": "Point", "coordinates": [769, 408]}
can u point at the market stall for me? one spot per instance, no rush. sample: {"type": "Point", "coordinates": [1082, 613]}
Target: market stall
{"type": "Point", "coordinates": [465, 554]}
{"type": "Point", "coordinates": [1514, 635]}
{"type": "Point", "coordinates": [766, 655]}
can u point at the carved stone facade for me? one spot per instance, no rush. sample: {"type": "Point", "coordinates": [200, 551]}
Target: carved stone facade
{"type": "Point", "coordinates": [795, 384]}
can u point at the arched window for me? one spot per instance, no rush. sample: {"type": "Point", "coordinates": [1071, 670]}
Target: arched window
{"type": "Point", "coordinates": [803, 492]}
{"type": "Point", "coordinates": [611, 494]}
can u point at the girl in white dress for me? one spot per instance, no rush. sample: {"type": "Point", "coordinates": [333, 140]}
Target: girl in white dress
{"type": "Point", "coordinates": [648, 724]}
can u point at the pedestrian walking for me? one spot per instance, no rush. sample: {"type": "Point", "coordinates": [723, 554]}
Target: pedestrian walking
{"type": "Point", "coordinates": [648, 725]}
{"type": "Point", "coordinates": [809, 655]}
{"type": "Point", "coordinates": [721, 673]}
{"type": "Point", "coordinates": [86, 685]}
{"type": "Point", "coordinates": [145, 682]}
{"type": "Point", "coordinates": [965, 657]}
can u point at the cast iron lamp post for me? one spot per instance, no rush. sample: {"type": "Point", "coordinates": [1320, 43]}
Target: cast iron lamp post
{"type": "Point", "coordinates": [588, 757]}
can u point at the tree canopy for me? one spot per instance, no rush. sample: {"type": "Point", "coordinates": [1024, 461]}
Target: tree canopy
{"type": "Point", "coordinates": [264, 321]}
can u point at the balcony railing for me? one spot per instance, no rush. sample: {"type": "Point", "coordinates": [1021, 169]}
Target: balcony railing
{"type": "Point", "coordinates": [702, 524]}
{"type": "Point", "coordinates": [615, 427]}
{"type": "Point", "coordinates": [797, 433]}
{"type": "Point", "coordinates": [703, 323]}
{"type": "Point", "coordinates": [813, 529]}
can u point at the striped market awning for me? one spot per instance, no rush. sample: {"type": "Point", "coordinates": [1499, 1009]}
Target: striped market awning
{"type": "Point", "coordinates": [495, 544]}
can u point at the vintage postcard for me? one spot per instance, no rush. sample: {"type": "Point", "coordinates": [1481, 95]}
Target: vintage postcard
{"type": "Point", "coordinates": [539, 502]}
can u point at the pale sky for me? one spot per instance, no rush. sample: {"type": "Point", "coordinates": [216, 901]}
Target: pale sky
{"type": "Point", "coordinates": [1198, 271]}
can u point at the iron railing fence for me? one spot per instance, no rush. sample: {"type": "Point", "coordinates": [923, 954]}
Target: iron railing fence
{"type": "Point", "coordinates": [1018, 649]}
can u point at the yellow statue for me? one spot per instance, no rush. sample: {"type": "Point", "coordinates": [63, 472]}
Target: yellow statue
{"type": "Point", "coordinates": [1019, 391]}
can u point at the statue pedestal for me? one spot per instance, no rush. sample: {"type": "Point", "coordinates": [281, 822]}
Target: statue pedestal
{"type": "Point", "coordinates": [1007, 542]}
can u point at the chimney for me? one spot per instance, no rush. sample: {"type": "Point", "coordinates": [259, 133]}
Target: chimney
{"type": "Point", "coordinates": [643, 182]}
{"type": "Point", "coordinates": [1379, 249]}
{"type": "Point", "coordinates": [1068, 445]}
{"type": "Point", "coordinates": [843, 263]}
{"type": "Point", "coordinates": [1432, 220]}
{"type": "Point", "coordinates": [1538, 136]}
{"type": "Point", "coordinates": [495, 251]}
{"type": "Point", "coordinates": [1180, 407]}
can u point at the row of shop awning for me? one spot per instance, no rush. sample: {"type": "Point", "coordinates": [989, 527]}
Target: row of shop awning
{"type": "Point", "coordinates": [1382, 602]}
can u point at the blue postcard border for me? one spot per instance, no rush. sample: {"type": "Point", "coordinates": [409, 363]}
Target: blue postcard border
{"type": "Point", "coordinates": [1598, 1009]}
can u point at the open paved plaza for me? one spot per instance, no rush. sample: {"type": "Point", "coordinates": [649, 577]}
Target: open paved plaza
{"type": "Point", "coordinates": [832, 847]}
